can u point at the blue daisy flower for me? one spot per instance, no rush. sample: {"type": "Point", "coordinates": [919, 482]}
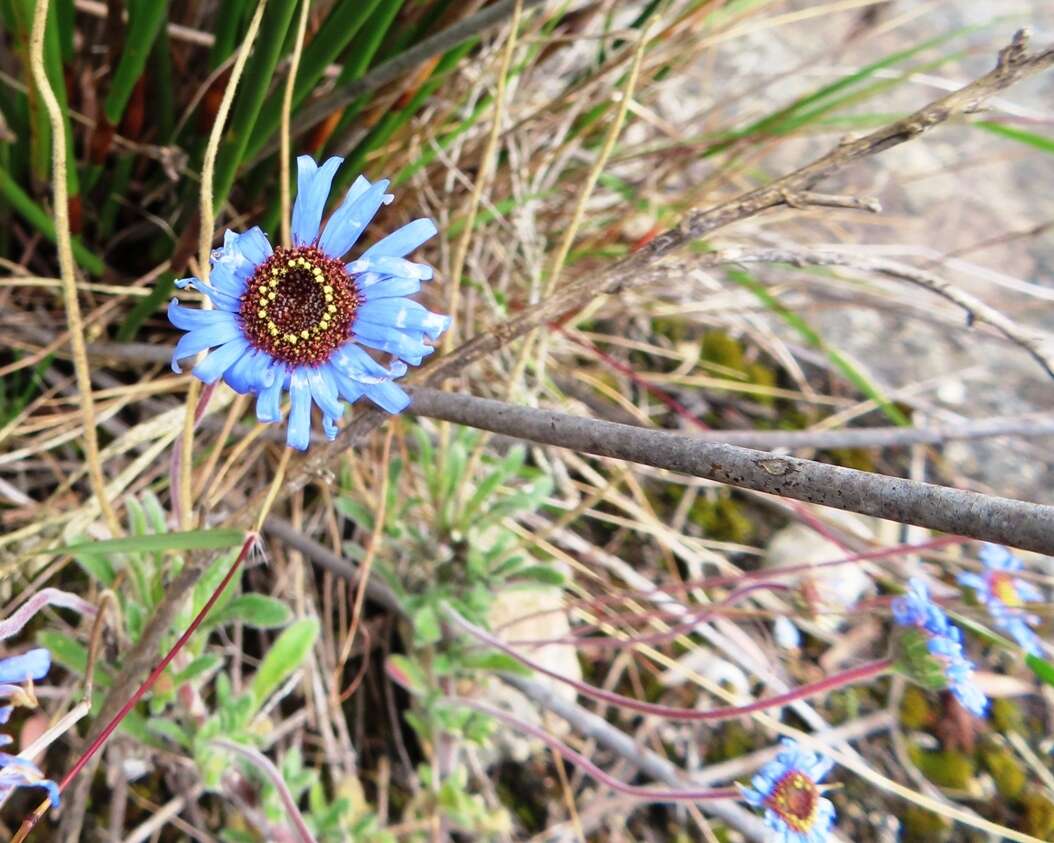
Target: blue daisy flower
{"type": "Point", "coordinates": [16, 771]}
{"type": "Point", "coordinates": [299, 319]}
{"type": "Point", "coordinates": [787, 790]}
{"type": "Point", "coordinates": [1005, 595]}
{"type": "Point", "coordinates": [916, 611]}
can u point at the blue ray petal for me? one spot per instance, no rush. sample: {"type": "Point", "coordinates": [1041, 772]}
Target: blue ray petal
{"type": "Point", "coordinates": [211, 369]}
{"type": "Point", "coordinates": [403, 240]}
{"type": "Point", "coordinates": [354, 362]}
{"type": "Point", "coordinates": [298, 434]}
{"type": "Point", "coordinates": [324, 392]}
{"type": "Point", "coordinates": [269, 401]}
{"type": "Point", "coordinates": [390, 266]}
{"type": "Point", "coordinates": [249, 374]}
{"type": "Point", "coordinates": [403, 314]}
{"type": "Point", "coordinates": [195, 341]}
{"type": "Point", "coordinates": [387, 288]}
{"type": "Point", "coordinates": [312, 191]}
{"type": "Point", "coordinates": [350, 220]}
{"type": "Point", "coordinates": [387, 395]}
{"type": "Point", "coordinates": [33, 664]}
{"type": "Point", "coordinates": [192, 318]}
{"type": "Point", "coordinates": [407, 348]}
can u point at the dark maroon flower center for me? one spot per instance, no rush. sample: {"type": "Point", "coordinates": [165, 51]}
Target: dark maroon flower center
{"type": "Point", "coordinates": [796, 799]}
{"type": "Point", "coordinates": [299, 305]}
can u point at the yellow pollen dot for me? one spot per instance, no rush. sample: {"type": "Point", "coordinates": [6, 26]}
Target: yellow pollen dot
{"type": "Point", "coordinates": [324, 324]}
{"type": "Point", "coordinates": [305, 334]}
{"type": "Point", "coordinates": [261, 313]}
{"type": "Point", "coordinates": [327, 289]}
{"type": "Point", "coordinates": [332, 308]}
{"type": "Point", "coordinates": [271, 296]}
{"type": "Point", "coordinates": [291, 263]}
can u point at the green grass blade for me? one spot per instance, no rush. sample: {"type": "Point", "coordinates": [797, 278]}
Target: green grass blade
{"type": "Point", "coordinates": [42, 222]}
{"type": "Point", "coordinates": [230, 17]}
{"type": "Point", "coordinates": [393, 120]}
{"type": "Point", "coordinates": [1044, 143]}
{"type": "Point", "coordinates": [848, 370]}
{"type": "Point", "coordinates": [146, 307]}
{"type": "Point", "coordinates": [189, 540]}
{"type": "Point", "coordinates": [358, 58]}
{"type": "Point", "coordinates": [145, 20]}
{"type": "Point", "coordinates": [776, 122]}
{"type": "Point", "coordinates": [256, 81]}
{"type": "Point", "coordinates": [339, 28]}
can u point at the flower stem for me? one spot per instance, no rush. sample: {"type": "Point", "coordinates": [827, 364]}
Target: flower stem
{"type": "Point", "coordinates": [828, 683]}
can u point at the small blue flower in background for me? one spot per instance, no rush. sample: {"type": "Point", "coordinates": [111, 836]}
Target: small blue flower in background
{"type": "Point", "coordinates": [297, 319]}
{"type": "Point", "coordinates": [1004, 595]}
{"type": "Point", "coordinates": [15, 771]}
{"type": "Point", "coordinates": [786, 789]}
{"type": "Point", "coordinates": [943, 641]}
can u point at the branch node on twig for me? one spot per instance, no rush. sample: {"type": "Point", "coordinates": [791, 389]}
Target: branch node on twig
{"type": "Point", "coordinates": [1015, 52]}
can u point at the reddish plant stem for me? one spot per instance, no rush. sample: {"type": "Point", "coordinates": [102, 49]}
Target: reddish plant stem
{"type": "Point", "coordinates": [685, 624]}
{"type": "Point", "coordinates": [595, 603]}
{"type": "Point", "coordinates": [576, 758]}
{"type": "Point", "coordinates": [155, 674]}
{"type": "Point", "coordinates": [667, 399]}
{"type": "Point", "coordinates": [828, 683]}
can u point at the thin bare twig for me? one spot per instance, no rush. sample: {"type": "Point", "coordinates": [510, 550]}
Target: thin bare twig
{"type": "Point", "coordinates": [976, 310]}
{"type": "Point", "coordinates": [1001, 520]}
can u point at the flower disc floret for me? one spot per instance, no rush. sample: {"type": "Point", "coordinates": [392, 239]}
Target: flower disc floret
{"type": "Point", "coordinates": [787, 789]}
{"type": "Point", "coordinates": [299, 306]}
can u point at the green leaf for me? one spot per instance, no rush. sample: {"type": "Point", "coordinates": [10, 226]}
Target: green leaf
{"type": "Point", "coordinates": [409, 673]}
{"type": "Point", "coordinates": [285, 656]}
{"type": "Point", "coordinates": [340, 26]}
{"type": "Point", "coordinates": [97, 567]}
{"type": "Point", "coordinates": [167, 729]}
{"type": "Point", "coordinates": [256, 82]}
{"type": "Point", "coordinates": [1043, 669]}
{"type": "Point", "coordinates": [1044, 143]}
{"type": "Point", "coordinates": [426, 625]}
{"type": "Point", "coordinates": [494, 661]}
{"type": "Point", "coordinates": [202, 665]}
{"type": "Point", "coordinates": [190, 540]}
{"type": "Point", "coordinates": [255, 610]}
{"type": "Point", "coordinates": [542, 574]}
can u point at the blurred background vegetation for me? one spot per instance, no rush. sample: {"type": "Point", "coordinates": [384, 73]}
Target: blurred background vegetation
{"type": "Point", "coordinates": [730, 94]}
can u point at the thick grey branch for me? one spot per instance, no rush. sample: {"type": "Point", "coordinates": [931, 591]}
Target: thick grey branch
{"type": "Point", "coordinates": [1001, 520]}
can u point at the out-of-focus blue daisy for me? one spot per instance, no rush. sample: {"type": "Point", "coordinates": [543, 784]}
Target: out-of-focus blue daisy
{"type": "Point", "coordinates": [943, 642]}
{"type": "Point", "coordinates": [16, 771]}
{"type": "Point", "coordinates": [787, 790]}
{"type": "Point", "coordinates": [299, 319]}
{"type": "Point", "coordinates": [1005, 595]}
